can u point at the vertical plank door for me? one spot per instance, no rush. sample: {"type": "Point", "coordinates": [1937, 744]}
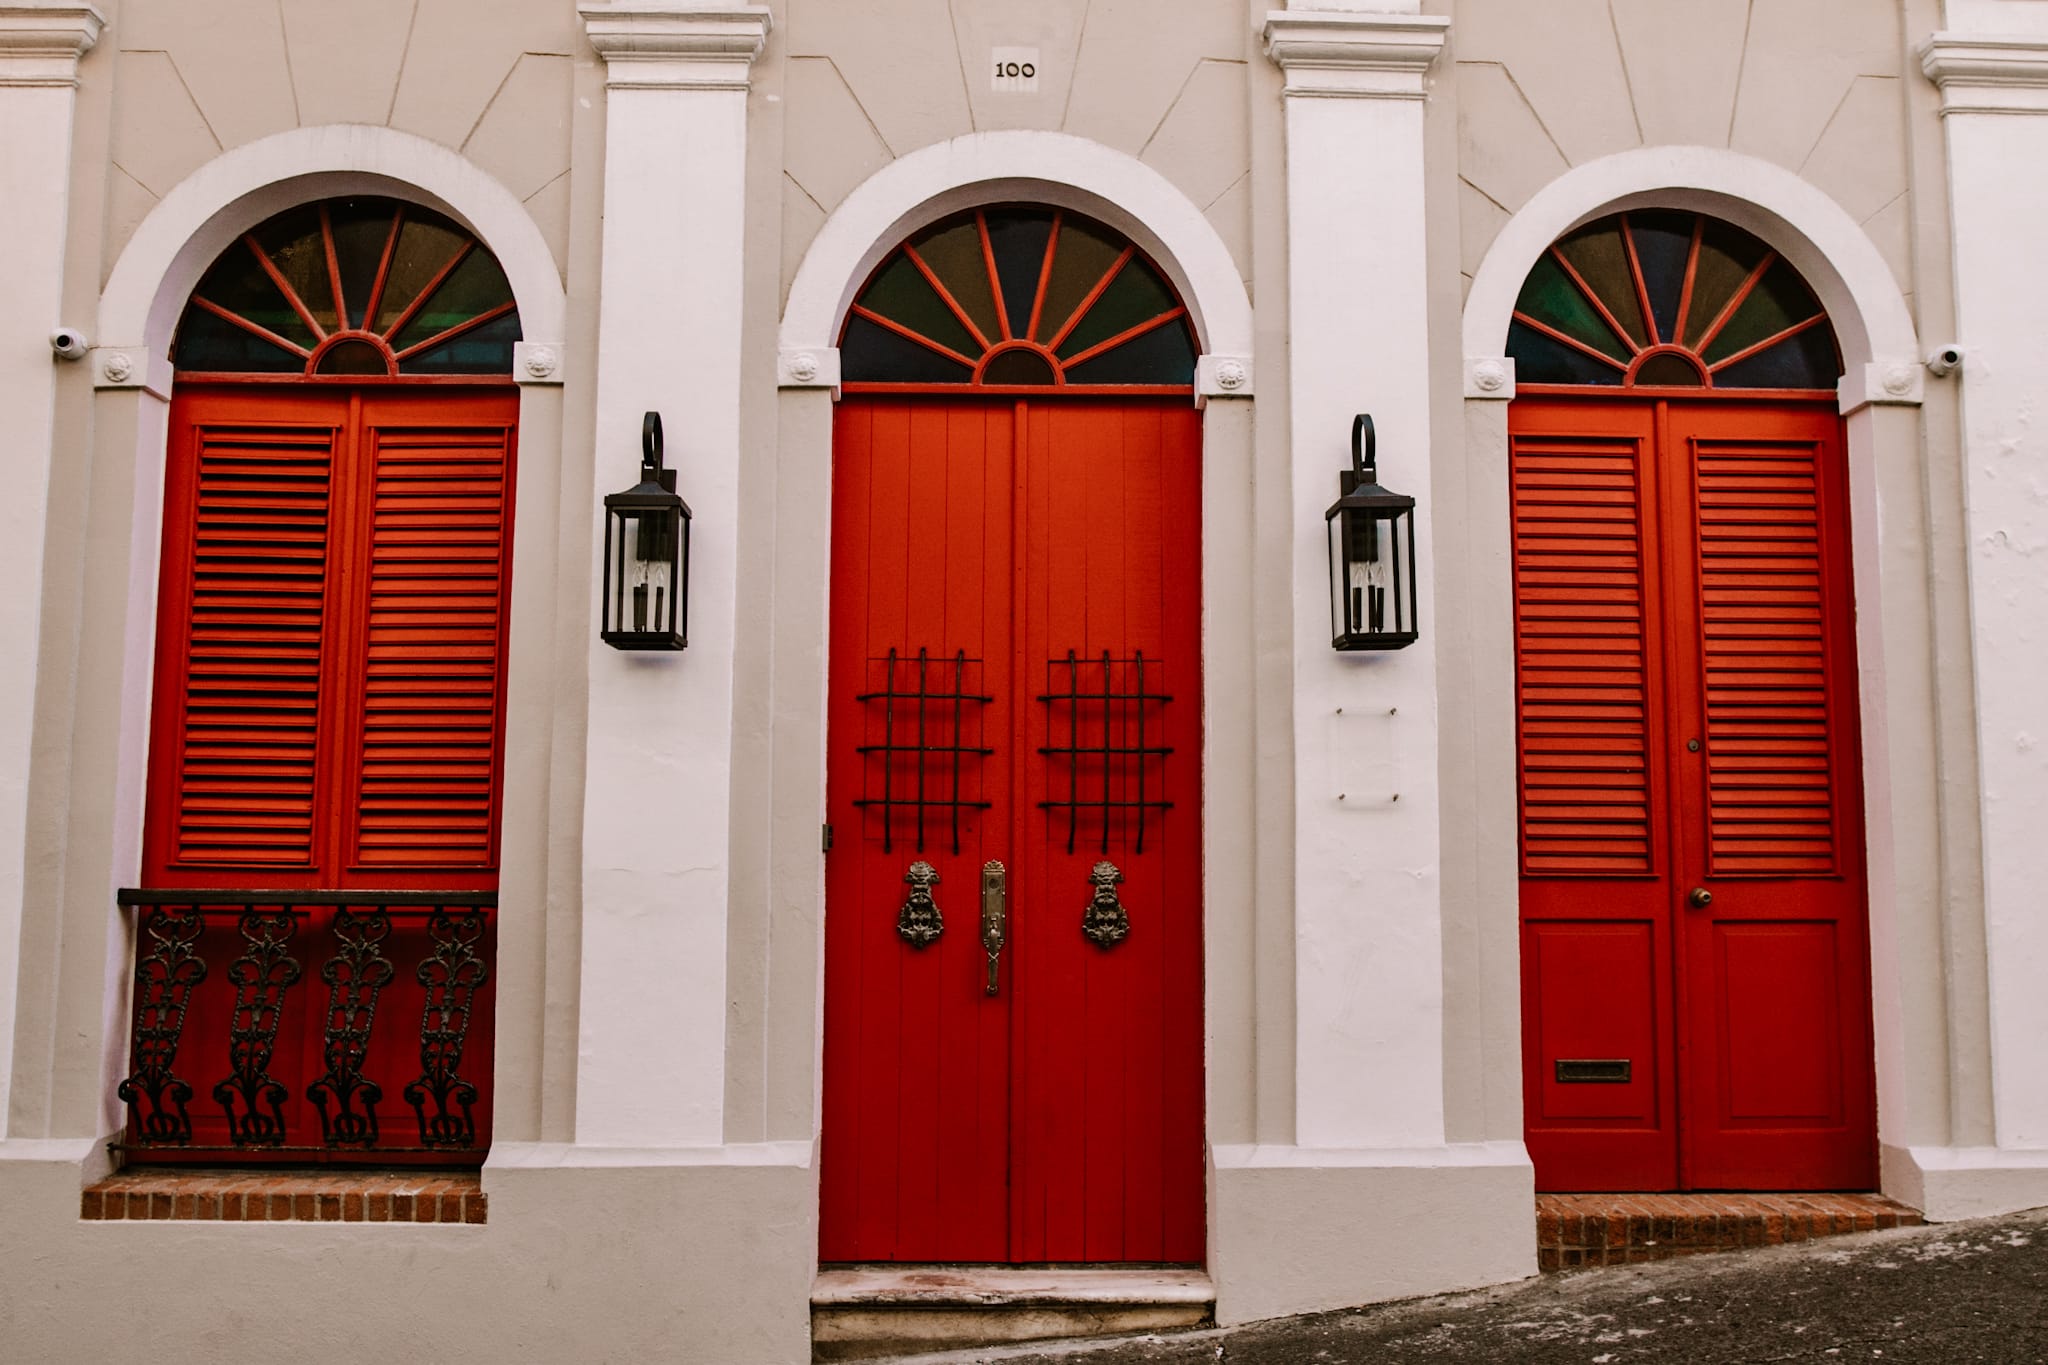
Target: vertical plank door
{"type": "Point", "coordinates": [1058, 1119]}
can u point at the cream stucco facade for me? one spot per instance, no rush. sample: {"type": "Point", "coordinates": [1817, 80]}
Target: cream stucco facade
{"type": "Point", "coordinates": [685, 197]}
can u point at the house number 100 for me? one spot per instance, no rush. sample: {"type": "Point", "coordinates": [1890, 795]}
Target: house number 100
{"type": "Point", "coordinates": [1015, 69]}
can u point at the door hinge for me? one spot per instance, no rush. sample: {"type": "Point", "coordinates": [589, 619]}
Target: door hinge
{"type": "Point", "coordinates": [825, 839]}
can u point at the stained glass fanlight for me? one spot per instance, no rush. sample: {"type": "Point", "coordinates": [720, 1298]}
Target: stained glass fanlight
{"type": "Point", "coordinates": [354, 288]}
{"type": "Point", "coordinates": [1018, 297]}
{"type": "Point", "coordinates": [1664, 299]}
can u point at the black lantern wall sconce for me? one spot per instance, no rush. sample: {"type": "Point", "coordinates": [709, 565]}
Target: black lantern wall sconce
{"type": "Point", "coordinates": [1372, 555]}
{"type": "Point", "coordinates": [646, 603]}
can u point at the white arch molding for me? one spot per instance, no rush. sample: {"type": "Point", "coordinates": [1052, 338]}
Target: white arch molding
{"type": "Point", "coordinates": [1883, 373]}
{"type": "Point", "coordinates": [1880, 352]}
{"type": "Point", "coordinates": [230, 194]}
{"type": "Point", "coordinates": [1043, 167]}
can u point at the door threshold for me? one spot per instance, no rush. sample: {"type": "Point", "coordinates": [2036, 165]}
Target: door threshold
{"type": "Point", "coordinates": [866, 1311]}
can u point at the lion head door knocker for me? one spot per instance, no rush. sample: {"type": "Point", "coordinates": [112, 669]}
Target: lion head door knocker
{"type": "Point", "coordinates": [919, 921]}
{"type": "Point", "coordinates": [1105, 922]}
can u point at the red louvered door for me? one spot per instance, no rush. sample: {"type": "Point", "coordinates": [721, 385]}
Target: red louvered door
{"type": "Point", "coordinates": [986, 556]}
{"type": "Point", "coordinates": [1694, 937]}
{"type": "Point", "coordinates": [328, 709]}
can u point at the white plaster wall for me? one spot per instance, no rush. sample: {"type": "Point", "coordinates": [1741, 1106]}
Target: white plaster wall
{"type": "Point", "coordinates": [35, 184]}
{"type": "Point", "coordinates": [1999, 178]}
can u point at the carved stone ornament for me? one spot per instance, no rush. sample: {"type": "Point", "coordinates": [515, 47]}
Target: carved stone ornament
{"type": "Point", "coordinates": [1104, 922]}
{"type": "Point", "coordinates": [1231, 375]}
{"type": "Point", "coordinates": [118, 367]}
{"type": "Point", "coordinates": [1898, 379]}
{"type": "Point", "coordinates": [541, 361]}
{"type": "Point", "coordinates": [919, 922]}
{"type": "Point", "coordinates": [1490, 375]}
{"type": "Point", "coordinates": [803, 367]}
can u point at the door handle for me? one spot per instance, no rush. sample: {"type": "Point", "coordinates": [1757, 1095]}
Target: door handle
{"type": "Point", "coordinates": [995, 916]}
{"type": "Point", "coordinates": [1700, 898]}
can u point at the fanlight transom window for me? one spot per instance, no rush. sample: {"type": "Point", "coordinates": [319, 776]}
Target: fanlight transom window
{"type": "Point", "coordinates": [351, 288]}
{"type": "Point", "coordinates": [1018, 297]}
{"type": "Point", "coordinates": [1663, 299]}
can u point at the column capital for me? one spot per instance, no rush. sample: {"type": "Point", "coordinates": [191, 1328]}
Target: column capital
{"type": "Point", "coordinates": [1983, 73]}
{"type": "Point", "coordinates": [1335, 54]}
{"type": "Point", "coordinates": [676, 46]}
{"type": "Point", "coordinates": [41, 41]}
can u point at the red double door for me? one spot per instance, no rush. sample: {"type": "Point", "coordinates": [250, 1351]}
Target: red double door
{"type": "Point", "coordinates": [1695, 964]}
{"type": "Point", "coordinates": [1013, 993]}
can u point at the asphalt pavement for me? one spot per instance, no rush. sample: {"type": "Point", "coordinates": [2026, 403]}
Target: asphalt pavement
{"type": "Point", "coordinates": [1949, 1294]}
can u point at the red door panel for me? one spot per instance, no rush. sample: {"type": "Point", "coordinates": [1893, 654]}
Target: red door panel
{"type": "Point", "coordinates": [1687, 724]}
{"type": "Point", "coordinates": [1060, 1118]}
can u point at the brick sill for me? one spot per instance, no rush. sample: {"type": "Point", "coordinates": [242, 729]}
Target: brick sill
{"type": "Point", "coordinates": [1574, 1230]}
{"type": "Point", "coordinates": [286, 1197]}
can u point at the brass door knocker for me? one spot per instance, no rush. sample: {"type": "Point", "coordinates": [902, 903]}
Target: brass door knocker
{"type": "Point", "coordinates": [919, 921]}
{"type": "Point", "coordinates": [1105, 922]}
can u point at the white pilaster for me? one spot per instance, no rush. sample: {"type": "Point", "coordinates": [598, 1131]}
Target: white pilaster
{"type": "Point", "coordinates": [40, 44]}
{"type": "Point", "coordinates": [1994, 90]}
{"type": "Point", "coordinates": [655, 818]}
{"type": "Point", "coordinates": [1369, 991]}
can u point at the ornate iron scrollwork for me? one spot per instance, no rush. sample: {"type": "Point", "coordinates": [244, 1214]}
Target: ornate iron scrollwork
{"type": "Point", "coordinates": [452, 974]}
{"type": "Point", "coordinates": [919, 922]}
{"type": "Point", "coordinates": [354, 976]}
{"type": "Point", "coordinates": [164, 979]}
{"type": "Point", "coordinates": [261, 976]}
{"type": "Point", "coordinates": [1104, 922]}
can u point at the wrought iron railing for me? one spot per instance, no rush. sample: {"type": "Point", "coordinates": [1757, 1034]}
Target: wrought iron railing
{"type": "Point", "coordinates": [301, 1016]}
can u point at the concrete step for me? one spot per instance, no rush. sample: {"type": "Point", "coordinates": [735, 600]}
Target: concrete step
{"type": "Point", "coordinates": [863, 1312]}
{"type": "Point", "coordinates": [1574, 1230]}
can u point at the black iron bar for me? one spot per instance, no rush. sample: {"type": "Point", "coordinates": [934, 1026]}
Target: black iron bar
{"type": "Point", "coordinates": [239, 897]}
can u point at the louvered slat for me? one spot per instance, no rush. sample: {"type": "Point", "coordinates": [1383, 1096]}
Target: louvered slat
{"type": "Point", "coordinates": [247, 754]}
{"type": "Point", "coordinates": [1763, 655]}
{"type": "Point", "coordinates": [431, 676]}
{"type": "Point", "coordinates": [1583, 702]}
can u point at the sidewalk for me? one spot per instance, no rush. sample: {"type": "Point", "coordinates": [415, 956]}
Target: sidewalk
{"type": "Point", "coordinates": [1952, 1294]}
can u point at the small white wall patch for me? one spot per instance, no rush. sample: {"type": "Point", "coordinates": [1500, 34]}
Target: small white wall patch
{"type": "Point", "coordinates": [1013, 70]}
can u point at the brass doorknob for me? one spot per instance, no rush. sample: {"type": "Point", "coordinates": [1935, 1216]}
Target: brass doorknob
{"type": "Point", "coordinates": [1700, 898]}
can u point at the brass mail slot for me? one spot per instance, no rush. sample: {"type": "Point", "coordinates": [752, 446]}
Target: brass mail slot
{"type": "Point", "coordinates": [1588, 1071]}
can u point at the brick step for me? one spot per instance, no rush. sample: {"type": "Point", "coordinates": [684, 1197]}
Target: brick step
{"type": "Point", "coordinates": [283, 1196]}
{"type": "Point", "coordinates": [1575, 1230]}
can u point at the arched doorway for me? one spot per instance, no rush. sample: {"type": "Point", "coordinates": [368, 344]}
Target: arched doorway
{"type": "Point", "coordinates": [1013, 976]}
{"type": "Point", "coordinates": [320, 844]}
{"type": "Point", "coordinates": [1695, 963]}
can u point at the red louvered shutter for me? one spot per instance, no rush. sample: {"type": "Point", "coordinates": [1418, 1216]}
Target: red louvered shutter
{"type": "Point", "coordinates": [331, 639]}
{"type": "Point", "coordinates": [432, 666]}
{"type": "Point", "coordinates": [1584, 592]}
{"type": "Point", "coordinates": [1764, 658]}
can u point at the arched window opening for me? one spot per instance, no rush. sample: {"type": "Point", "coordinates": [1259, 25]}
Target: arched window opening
{"type": "Point", "coordinates": [316, 929]}
{"type": "Point", "coordinates": [1018, 297]}
{"type": "Point", "coordinates": [1663, 299]}
{"type": "Point", "coordinates": [351, 288]}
